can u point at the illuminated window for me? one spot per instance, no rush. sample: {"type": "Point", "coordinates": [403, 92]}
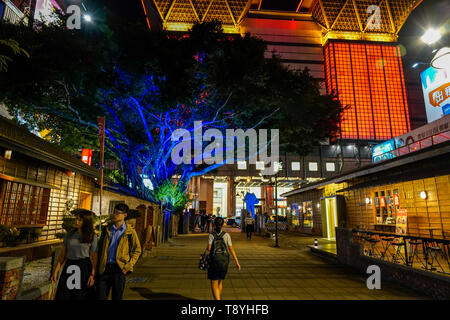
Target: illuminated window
{"type": "Point", "coordinates": [295, 166]}
{"type": "Point", "coordinates": [259, 165]}
{"type": "Point", "coordinates": [23, 204]}
{"type": "Point", "coordinates": [312, 166]}
{"type": "Point", "coordinates": [330, 166]}
{"type": "Point", "coordinates": [242, 165]}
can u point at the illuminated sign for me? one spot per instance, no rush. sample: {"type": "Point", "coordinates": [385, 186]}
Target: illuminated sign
{"type": "Point", "coordinates": [401, 221]}
{"type": "Point", "coordinates": [436, 91]}
{"type": "Point", "coordinates": [86, 156]}
{"type": "Point", "coordinates": [381, 151]}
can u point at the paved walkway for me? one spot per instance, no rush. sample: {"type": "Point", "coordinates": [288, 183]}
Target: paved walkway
{"type": "Point", "coordinates": [290, 272]}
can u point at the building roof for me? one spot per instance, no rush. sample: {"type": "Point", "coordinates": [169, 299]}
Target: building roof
{"type": "Point", "coordinates": [339, 19]}
{"type": "Point", "coordinates": [18, 139]}
{"type": "Point", "coordinates": [423, 154]}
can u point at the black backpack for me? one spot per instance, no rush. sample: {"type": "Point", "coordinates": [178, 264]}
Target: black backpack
{"type": "Point", "coordinates": [219, 256]}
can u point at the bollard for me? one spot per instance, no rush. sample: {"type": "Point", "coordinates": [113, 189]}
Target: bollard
{"type": "Point", "coordinates": [316, 243]}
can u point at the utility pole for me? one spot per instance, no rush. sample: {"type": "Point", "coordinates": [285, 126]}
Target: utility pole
{"type": "Point", "coordinates": [276, 211]}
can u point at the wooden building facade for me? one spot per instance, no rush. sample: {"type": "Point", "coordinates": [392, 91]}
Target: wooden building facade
{"type": "Point", "coordinates": [415, 187]}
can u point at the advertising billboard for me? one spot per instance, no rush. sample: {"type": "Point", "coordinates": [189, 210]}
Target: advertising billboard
{"type": "Point", "coordinates": [436, 91]}
{"type": "Point", "coordinates": [381, 151]}
{"type": "Point", "coordinates": [44, 11]}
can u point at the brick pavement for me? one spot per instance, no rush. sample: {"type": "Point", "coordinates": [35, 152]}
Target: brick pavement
{"type": "Point", "coordinates": [290, 272]}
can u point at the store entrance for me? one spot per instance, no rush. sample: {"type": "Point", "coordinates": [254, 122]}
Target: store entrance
{"type": "Point", "coordinates": [329, 217]}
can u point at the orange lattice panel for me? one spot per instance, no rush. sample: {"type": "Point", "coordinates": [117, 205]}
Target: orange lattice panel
{"type": "Point", "coordinates": [368, 78]}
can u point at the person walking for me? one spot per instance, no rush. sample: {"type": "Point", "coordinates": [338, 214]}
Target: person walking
{"type": "Point", "coordinates": [119, 250]}
{"type": "Point", "coordinates": [79, 252]}
{"type": "Point", "coordinates": [219, 246]}
{"type": "Point", "coordinates": [203, 221]}
{"type": "Point", "coordinates": [249, 226]}
{"type": "Point", "coordinates": [209, 223]}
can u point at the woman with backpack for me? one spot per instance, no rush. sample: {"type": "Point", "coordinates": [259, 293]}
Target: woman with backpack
{"type": "Point", "coordinates": [220, 247]}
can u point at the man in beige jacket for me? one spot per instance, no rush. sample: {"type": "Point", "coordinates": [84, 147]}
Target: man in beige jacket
{"type": "Point", "coordinates": [119, 250]}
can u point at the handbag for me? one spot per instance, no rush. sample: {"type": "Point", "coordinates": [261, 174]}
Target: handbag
{"type": "Point", "coordinates": [203, 263]}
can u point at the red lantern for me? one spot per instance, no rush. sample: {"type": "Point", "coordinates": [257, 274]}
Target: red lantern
{"type": "Point", "coordinates": [86, 156]}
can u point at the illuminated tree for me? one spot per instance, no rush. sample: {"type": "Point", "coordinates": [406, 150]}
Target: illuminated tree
{"type": "Point", "coordinates": [148, 84]}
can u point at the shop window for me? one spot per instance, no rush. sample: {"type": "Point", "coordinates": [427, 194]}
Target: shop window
{"type": "Point", "coordinates": [259, 165]}
{"type": "Point", "coordinates": [85, 200]}
{"type": "Point", "coordinates": [242, 165]}
{"type": "Point", "coordinates": [313, 166]}
{"type": "Point", "coordinates": [307, 214]}
{"type": "Point", "coordinates": [22, 204]}
{"type": "Point", "coordinates": [330, 166]}
{"type": "Point", "coordinates": [387, 202]}
{"type": "Point", "coordinates": [295, 166]}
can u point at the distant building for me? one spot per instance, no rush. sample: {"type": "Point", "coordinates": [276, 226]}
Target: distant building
{"type": "Point", "coordinates": [348, 46]}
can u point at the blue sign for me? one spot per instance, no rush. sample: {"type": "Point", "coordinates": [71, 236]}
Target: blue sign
{"type": "Point", "coordinates": [381, 151]}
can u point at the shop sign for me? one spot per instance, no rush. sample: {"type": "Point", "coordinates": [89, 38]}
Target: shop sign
{"type": "Point", "coordinates": [401, 221]}
{"type": "Point", "coordinates": [436, 91]}
{"type": "Point", "coordinates": [382, 151]}
{"type": "Point", "coordinates": [294, 209]}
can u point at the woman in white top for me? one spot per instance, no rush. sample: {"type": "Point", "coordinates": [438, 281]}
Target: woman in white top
{"type": "Point", "coordinates": [218, 257]}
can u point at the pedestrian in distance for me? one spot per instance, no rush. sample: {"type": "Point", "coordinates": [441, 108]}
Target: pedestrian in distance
{"type": "Point", "coordinates": [249, 226]}
{"type": "Point", "coordinates": [119, 250]}
{"type": "Point", "coordinates": [79, 258]}
{"type": "Point", "coordinates": [209, 223]}
{"type": "Point", "coordinates": [219, 247]}
{"type": "Point", "coordinates": [203, 221]}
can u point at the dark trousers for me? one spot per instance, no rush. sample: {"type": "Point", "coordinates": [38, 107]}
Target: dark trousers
{"type": "Point", "coordinates": [249, 230]}
{"type": "Point", "coordinates": [64, 292]}
{"type": "Point", "coordinates": [113, 278]}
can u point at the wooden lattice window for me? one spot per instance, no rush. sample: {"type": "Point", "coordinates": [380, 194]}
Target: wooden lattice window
{"type": "Point", "coordinates": [23, 204]}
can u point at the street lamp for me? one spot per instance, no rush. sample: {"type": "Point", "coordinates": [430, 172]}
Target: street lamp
{"type": "Point", "coordinates": [431, 36]}
{"type": "Point", "coordinates": [87, 18]}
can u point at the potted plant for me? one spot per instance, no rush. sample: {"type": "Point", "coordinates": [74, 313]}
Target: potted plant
{"type": "Point", "coordinates": [12, 238]}
{"type": "Point", "coordinates": [26, 234]}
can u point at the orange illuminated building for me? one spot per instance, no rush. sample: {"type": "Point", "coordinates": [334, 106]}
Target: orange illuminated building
{"type": "Point", "coordinates": [368, 79]}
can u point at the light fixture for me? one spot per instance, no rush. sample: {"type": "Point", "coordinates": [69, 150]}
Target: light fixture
{"type": "Point", "coordinates": [415, 65]}
{"type": "Point", "coordinates": [367, 200]}
{"type": "Point", "coordinates": [423, 194]}
{"type": "Point", "coordinates": [8, 154]}
{"type": "Point", "coordinates": [442, 59]}
{"type": "Point", "coordinates": [431, 36]}
{"type": "Point", "coordinates": [87, 18]}
{"type": "Point", "coordinates": [318, 206]}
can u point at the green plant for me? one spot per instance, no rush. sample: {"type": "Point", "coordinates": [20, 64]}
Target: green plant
{"type": "Point", "coordinates": [12, 236]}
{"type": "Point", "coordinates": [60, 235]}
